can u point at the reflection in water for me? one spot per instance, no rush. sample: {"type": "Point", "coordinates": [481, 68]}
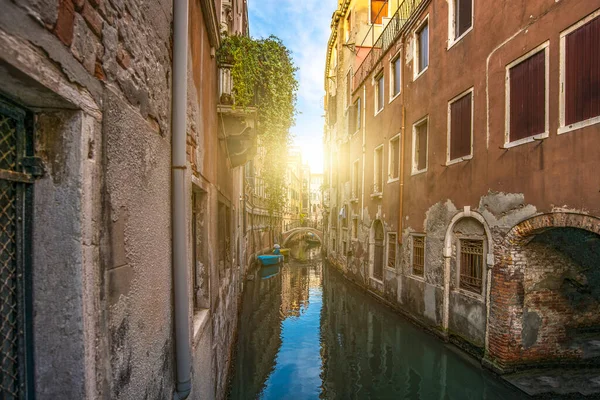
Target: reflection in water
{"type": "Point", "coordinates": [308, 333]}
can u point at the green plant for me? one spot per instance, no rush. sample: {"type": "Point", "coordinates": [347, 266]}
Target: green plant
{"type": "Point", "coordinates": [264, 76]}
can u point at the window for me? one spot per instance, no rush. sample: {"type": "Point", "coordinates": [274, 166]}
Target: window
{"type": "Point", "coordinates": [461, 13]}
{"type": "Point", "coordinates": [460, 126]}
{"type": "Point", "coordinates": [379, 93]}
{"type": "Point", "coordinates": [471, 265]}
{"type": "Point", "coordinates": [358, 114]}
{"type": "Point", "coordinates": [422, 48]}
{"type": "Point", "coordinates": [379, 10]}
{"type": "Point", "coordinates": [394, 158]}
{"type": "Point", "coordinates": [200, 277]}
{"type": "Point", "coordinates": [355, 173]}
{"type": "Point", "coordinates": [580, 75]}
{"type": "Point", "coordinates": [348, 26]}
{"type": "Point", "coordinates": [348, 88]}
{"type": "Point", "coordinates": [395, 70]}
{"type": "Point", "coordinates": [354, 117]}
{"type": "Point", "coordinates": [355, 228]}
{"type": "Point", "coordinates": [418, 255]}
{"type": "Point", "coordinates": [527, 97]}
{"type": "Point", "coordinates": [345, 216]}
{"type": "Point", "coordinates": [344, 247]}
{"type": "Point", "coordinates": [224, 233]}
{"type": "Point", "coordinates": [378, 250]}
{"type": "Point", "coordinates": [391, 251]}
{"type": "Point", "coordinates": [420, 131]}
{"type": "Point", "coordinates": [333, 244]}
{"type": "Point", "coordinates": [377, 170]}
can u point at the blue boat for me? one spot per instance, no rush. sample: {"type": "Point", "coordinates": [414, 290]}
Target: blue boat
{"type": "Point", "coordinates": [270, 259]}
{"type": "Point", "coordinates": [268, 271]}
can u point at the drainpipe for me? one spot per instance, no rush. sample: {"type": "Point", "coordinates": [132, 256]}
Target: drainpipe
{"type": "Point", "coordinates": [179, 201]}
{"type": "Point", "coordinates": [402, 149]}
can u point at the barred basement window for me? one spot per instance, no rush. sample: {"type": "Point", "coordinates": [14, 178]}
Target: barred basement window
{"type": "Point", "coordinates": [471, 265]}
{"type": "Point", "coordinates": [418, 255]}
{"type": "Point", "coordinates": [391, 256]}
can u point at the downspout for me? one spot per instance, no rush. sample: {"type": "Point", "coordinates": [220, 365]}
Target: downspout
{"type": "Point", "coordinates": [179, 201]}
{"type": "Point", "coordinates": [402, 148]}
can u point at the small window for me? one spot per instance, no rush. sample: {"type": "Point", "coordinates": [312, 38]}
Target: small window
{"type": "Point", "coordinates": [358, 114]}
{"type": "Point", "coordinates": [471, 265]}
{"type": "Point", "coordinates": [418, 255]}
{"type": "Point", "coordinates": [378, 170]}
{"type": "Point", "coordinates": [460, 127]}
{"type": "Point", "coordinates": [355, 228]}
{"type": "Point", "coordinates": [391, 253]}
{"type": "Point", "coordinates": [348, 89]}
{"type": "Point", "coordinates": [379, 10]}
{"type": "Point", "coordinates": [354, 119]}
{"type": "Point", "coordinates": [394, 158]}
{"type": "Point", "coordinates": [422, 48]}
{"type": "Point", "coordinates": [333, 244]}
{"type": "Point", "coordinates": [527, 82]}
{"type": "Point", "coordinates": [345, 216]}
{"type": "Point", "coordinates": [420, 132]}
{"type": "Point", "coordinates": [463, 17]}
{"type": "Point", "coordinates": [344, 247]}
{"type": "Point", "coordinates": [379, 92]}
{"type": "Point", "coordinates": [581, 73]}
{"type": "Point", "coordinates": [396, 68]}
{"type": "Point", "coordinates": [355, 173]}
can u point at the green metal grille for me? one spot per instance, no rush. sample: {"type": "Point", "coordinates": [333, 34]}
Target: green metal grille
{"type": "Point", "coordinates": [12, 308]}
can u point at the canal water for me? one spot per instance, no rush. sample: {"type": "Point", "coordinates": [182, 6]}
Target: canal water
{"type": "Point", "coordinates": [307, 333]}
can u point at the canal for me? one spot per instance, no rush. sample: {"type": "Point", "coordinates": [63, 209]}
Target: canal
{"type": "Point", "coordinates": [307, 333]}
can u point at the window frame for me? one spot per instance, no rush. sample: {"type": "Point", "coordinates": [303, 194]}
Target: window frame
{"type": "Point", "coordinates": [354, 181]}
{"type": "Point", "coordinates": [380, 192]}
{"type": "Point", "coordinates": [387, 251]}
{"type": "Point", "coordinates": [382, 16]}
{"type": "Point", "coordinates": [412, 255]}
{"type": "Point", "coordinates": [563, 128]}
{"type": "Point", "coordinates": [452, 38]}
{"type": "Point", "coordinates": [449, 129]}
{"type": "Point", "coordinates": [348, 89]}
{"type": "Point", "coordinates": [379, 107]}
{"type": "Point", "coordinates": [390, 178]}
{"type": "Point", "coordinates": [393, 60]}
{"type": "Point", "coordinates": [414, 165]}
{"type": "Point", "coordinates": [416, 50]}
{"type": "Point", "coordinates": [545, 47]}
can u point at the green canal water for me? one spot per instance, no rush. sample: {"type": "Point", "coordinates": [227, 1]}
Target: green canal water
{"type": "Point", "coordinates": [307, 333]}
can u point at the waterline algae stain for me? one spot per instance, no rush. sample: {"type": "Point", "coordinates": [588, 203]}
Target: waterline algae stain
{"type": "Point", "coordinates": [306, 333]}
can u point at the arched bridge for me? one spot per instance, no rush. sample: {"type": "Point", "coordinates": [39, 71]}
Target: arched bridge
{"type": "Point", "coordinates": [286, 236]}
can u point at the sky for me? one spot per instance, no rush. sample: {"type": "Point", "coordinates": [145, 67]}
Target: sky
{"type": "Point", "coordinates": [303, 26]}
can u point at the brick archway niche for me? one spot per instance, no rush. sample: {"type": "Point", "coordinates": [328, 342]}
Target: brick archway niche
{"type": "Point", "coordinates": [545, 294]}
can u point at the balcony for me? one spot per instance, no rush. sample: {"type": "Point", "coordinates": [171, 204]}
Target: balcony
{"type": "Point", "coordinates": [237, 125]}
{"type": "Point", "coordinates": [388, 36]}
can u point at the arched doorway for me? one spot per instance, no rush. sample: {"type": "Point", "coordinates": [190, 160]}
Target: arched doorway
{"type": "Point", "coordinates": [546, 292]}
{"type": "Point", "coordinates": [378, 250]}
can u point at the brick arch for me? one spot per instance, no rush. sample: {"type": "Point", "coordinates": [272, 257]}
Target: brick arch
{"type": "Point", "coordinates": [508, 292]}
{"type": "Point", "coordinates": [286, 236]}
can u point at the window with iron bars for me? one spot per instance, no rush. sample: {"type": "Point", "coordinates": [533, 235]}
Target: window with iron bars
{"type": "Point", "coordinates": [391, 254]}
{"type": "Point", "coordinates": [418, 255]}
{"type": "Point", "coordinates": [471, 265]}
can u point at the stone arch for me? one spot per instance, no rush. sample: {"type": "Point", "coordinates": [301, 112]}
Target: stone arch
{"type": "Point", "coordinates": [488, 260]}
{"type": "Point", "coordinates": [286, 236]}
{"type": "Point", "coordinates": [545, 301]}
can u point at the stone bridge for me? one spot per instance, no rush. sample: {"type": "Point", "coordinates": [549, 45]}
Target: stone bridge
{"type": "Point", "coordinates": [286, 236]}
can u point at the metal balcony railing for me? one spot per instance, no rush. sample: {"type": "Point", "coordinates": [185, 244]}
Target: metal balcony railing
{"type": "Point", "coordinates": [385, 40]}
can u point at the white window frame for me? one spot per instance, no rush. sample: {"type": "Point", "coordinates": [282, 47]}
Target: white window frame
{"type": "Point", "coordinates": [452, 38]}
{"type": "Point", "coordinates": [377, 77]}
{"type": "Point", "coordinates": [353, 192]}
{"type": "Point", "coordinates": [390, 179]}
{"type": "Point", "coordinates": [449, 135]}
{"type": "Point", "coordinates": [414, 169]}
{"type": "Point", "coordinates": [380, 192]}
{"type": "Point", "coordinates": [545, 47]}
{"type": "Point", "coordinates": [387, 251]}
{"type": "Point", "coordinates": [581, 124]}
{"type": "Point", "coordinates": [396, 57]}
{"type": "Point", "coordinates": [412, 255]}
{"type": "Point", "coordinates": [416, 73]}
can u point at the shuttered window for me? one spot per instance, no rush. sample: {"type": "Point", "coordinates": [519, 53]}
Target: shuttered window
{"type": "Point", "coordinates": [582, 73]}
{"type": "Point", "coordinates": [460, 127]}
{"type": "Point", "coordinates": [528, 97]}
{"type": "Point", "coordinates": [394, 164]}
{"type": "Point", "coordinates": [463, 16]}
{"type": "Point", "coordinates": [420, 147]}
{"type": "Point", "coordinates": [379, 10]}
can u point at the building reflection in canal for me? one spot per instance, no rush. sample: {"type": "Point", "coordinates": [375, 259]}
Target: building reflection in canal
{"type": "Point", "coordinates": [308, 333]}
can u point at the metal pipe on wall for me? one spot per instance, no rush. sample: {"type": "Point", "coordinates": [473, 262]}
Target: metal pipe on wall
{"type": "Point", "coordinates": [179, 201]}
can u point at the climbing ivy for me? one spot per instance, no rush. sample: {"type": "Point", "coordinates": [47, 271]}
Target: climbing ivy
{"type": "Point", "coordinates": [264, 76]}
